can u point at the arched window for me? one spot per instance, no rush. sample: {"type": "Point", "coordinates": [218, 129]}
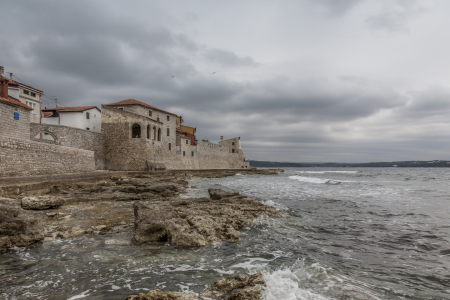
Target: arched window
{"type": "Point", "coordinates": [154, 132]}
{"type": "Point", "coordinates": [136, 131]}
{"type": "Point", "coordinates": [148, 131]}
{"type": "Point", "coordinates": [159, 134]}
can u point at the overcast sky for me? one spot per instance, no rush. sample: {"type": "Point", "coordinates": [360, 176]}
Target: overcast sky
{"type": "Point", "coordinates": [301, 81]}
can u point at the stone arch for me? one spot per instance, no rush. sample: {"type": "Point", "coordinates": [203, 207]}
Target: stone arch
{"type": "Point", "coordinates": [38, 136]}
{"type": "Point", "coordinates": [159, 134]}
{"type": "Point", "coordinates": [136, 131]}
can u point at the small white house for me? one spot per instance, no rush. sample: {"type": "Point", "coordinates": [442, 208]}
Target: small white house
{"type": "Point", "coordinates": [83, 117]}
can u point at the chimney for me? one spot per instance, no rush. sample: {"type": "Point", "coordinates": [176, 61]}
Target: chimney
{"type": "Point", "coordinates": [4, 87]}
{"type": "Point", "coordinates": [10, 75]}
{"type": "Point", "coordinates": [239, 138]}
{"type": "Point", "coordinates": [2, 71]}
{"type": "Point", "coordinates": [221, 138]}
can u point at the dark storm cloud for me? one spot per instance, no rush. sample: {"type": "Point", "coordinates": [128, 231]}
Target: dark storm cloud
{"type": "Point", "coordinates": [433, 102]}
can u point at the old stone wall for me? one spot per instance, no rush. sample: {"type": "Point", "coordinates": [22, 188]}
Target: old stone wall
{"type": "Point", "coordinates": [25, 158]}
{"type": "Point", "coordinates": [72, 137]}
{"type": "Point", "coordinates": [9, 127]}
{"type": "Point", "coordinates": [124, 152]}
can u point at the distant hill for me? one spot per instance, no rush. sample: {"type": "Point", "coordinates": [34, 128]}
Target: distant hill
{"type": "Point", "coordinates": [416, 164]}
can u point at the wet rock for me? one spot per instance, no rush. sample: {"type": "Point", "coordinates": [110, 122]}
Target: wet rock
{"type": "Point", "coordinates": [152, 221]}
{"type": "Point", "coordinates": [17, 228]}
{"type": "Point", "coordinates": [218, 194]}
{"type": "Point", "coordinates": [41, 202]}
{"type": "Point", "coordinates": [239, 287]}
{"type": "Point", "coordinates": [158, 295]}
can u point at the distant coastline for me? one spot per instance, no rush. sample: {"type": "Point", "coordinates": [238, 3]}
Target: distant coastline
{"type": "Point", "coordinates": [400, 164]}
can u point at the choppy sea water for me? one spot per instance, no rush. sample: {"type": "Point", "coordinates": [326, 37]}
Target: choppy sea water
{"type": "Point", "coordinates": [349, 233]}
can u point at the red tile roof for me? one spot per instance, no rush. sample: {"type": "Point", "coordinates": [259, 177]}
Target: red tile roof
{"type": "Point", "coordinates": [47, 113]}
{"type": "Point", "coordinates": [70, 109]}
{"type": "Point", "coordinates": [135, 114]}
{"type": "Point", "coordinates": [13, 101]}
{"type": "Point", "coordinates": [136, 102]}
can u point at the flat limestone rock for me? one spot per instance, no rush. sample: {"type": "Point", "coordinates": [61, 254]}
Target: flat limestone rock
{"type": "Point", "coordinates": [41, 202]}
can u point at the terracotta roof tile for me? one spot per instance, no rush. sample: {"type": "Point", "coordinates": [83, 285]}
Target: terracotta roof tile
{"type": "Point", "coordinates": [136, 102]}
{"type": "Point", "coordinates": [14, 101]}
{"type": "Point", "coordinates": [70, 109]}
{"type": "Point", "coordinates": [15, 82]}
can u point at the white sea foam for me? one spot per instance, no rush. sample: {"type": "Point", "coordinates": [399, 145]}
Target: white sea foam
{"type": "Point", "coordinates": [308, 179]}
{"type": "Point", "coordinates": [284, 284]}
{"type": "Point", "coordinates": [323, 172]}
{"type": "Point", "coordinates": [79, 296]}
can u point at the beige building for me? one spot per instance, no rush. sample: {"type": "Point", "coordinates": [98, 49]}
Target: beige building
{"type": "Point", "coordinates": [27, 95]}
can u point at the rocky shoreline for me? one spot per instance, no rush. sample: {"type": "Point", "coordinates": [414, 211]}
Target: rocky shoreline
{"type": "Point", "coordinates": [147, 204]}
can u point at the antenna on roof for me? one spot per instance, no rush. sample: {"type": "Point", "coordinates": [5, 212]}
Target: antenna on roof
{"type": "Point", "coordinates": [11, 75]}
{"type": "Point", "coordinates": [55, 99]}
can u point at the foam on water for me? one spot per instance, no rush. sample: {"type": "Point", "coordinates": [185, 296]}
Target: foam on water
{"type": "Point", "coordinates": [323, 172]}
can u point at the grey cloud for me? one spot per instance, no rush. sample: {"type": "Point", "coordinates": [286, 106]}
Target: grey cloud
{"type": "Point", "coordinates": [337, 8]}
{"type": "Point", "coordinates": [229, 59]}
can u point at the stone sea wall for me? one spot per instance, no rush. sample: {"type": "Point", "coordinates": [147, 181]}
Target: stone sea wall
{"type": "Point", "coordinates": [72, 137]}
{"type": "Point", "coordinates": [24, 158]}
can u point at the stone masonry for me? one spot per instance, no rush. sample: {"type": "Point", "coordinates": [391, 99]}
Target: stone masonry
{"type": "Point", "coordinates": [72, 137]}
{"type": "Point", "coordinates": [25, 158]}
{"type": "Point", "coordinates": [9, 127]}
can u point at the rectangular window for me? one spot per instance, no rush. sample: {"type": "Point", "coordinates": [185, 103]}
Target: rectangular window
{"type": "Point", "coordinates": [232, 143]}
{"type": "Point", "coordinates": [16, 115]}
{"type": "Point", "coordinates": [157, 119]}
{"type": "Point", "coordinates": [232, 150]}
{"type": "Point", "coordinates": [168, 131]}
{"type": "Point", "coordinates": [149, 113]}
{"type": "Point", "coordinates": [192, 153]}
{"type": "Point", "coordinates": [187, 142]}
{"type": "Point", "coordinates": [168, 118]}
{"type": "Point", "coordinates": [120, 108]}
{"type": "Point", "coordinates": [87, 128]}
{"type": "Point", "coordinates": [87, 116]}
{"type": "Point", "coordinates": [32, 94]}
{"type": "Point", "coordinates": [184, 153]}
{"type": "Point", "coordinates": [32, 105]}
{"type": "Point", "coordinates": [26, 92]}
{"type": "Point", "coordinates": [170, 146]}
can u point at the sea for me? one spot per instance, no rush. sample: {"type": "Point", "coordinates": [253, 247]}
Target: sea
{"type": "Point", "coordinates": [345, 233]}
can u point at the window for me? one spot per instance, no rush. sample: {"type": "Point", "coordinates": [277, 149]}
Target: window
{"type": "Point", "coordinates": [120, 108]}
{"type": "Point", "coordinates": [87, 128]}
{"type": "Point", "coordinates": [168, 131]}
{"type": "Point", "coordinates": [149, 113]}
{"type": "Point", "coordinates": [148, 131]}
{"type": "Point", "coordinates": [187, 142]}
{"type": "Point", "coordinates": [157, 119]}
{"type": "Point", "coordinates": [154, 133]}
{"type": "Point", "coordinates": [26, 92]}
{"type": "Point", "coordinates": [232, 143]}
{"type": "Point", "coordinates": [168, 118]}
{"type": "Point", "coordinates": [32, 94]}
{"type": "Point", "coordinates": [136, 131]}
{"type": "Point", "coordinates": [159, 134]}
{"type": "Point", "coordinates": [192, 153]}
{"type": "Point", "coordinates": [170, 146]}
{"type": "Point", "coordinates": [87, 116]}
{"type": "Point", "coordinates": [184, 153]}
{"type": "Point", "coordinates": [16, 115]}
{"type": "Point", "coordinates": [32, 105]}
{"type": "Point", "coordinates": [232, 150]}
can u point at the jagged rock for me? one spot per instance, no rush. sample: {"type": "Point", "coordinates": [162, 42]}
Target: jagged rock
{"type": "Point", "coordinates": [41, 202]}
{"type": "Point", "coordinates": [218, 194]}
{"type": "Point", "coordinates": [17, 228]}
{"type": "Point", "coordinates": [239, 287]}
{"type": "Point", "coordinates": [158, 295]}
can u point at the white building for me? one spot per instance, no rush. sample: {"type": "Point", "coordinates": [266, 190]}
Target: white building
{"type": "Point", "coordinates": [27, 95]}
{"type": "Point", "coordinates": [83, 117]}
